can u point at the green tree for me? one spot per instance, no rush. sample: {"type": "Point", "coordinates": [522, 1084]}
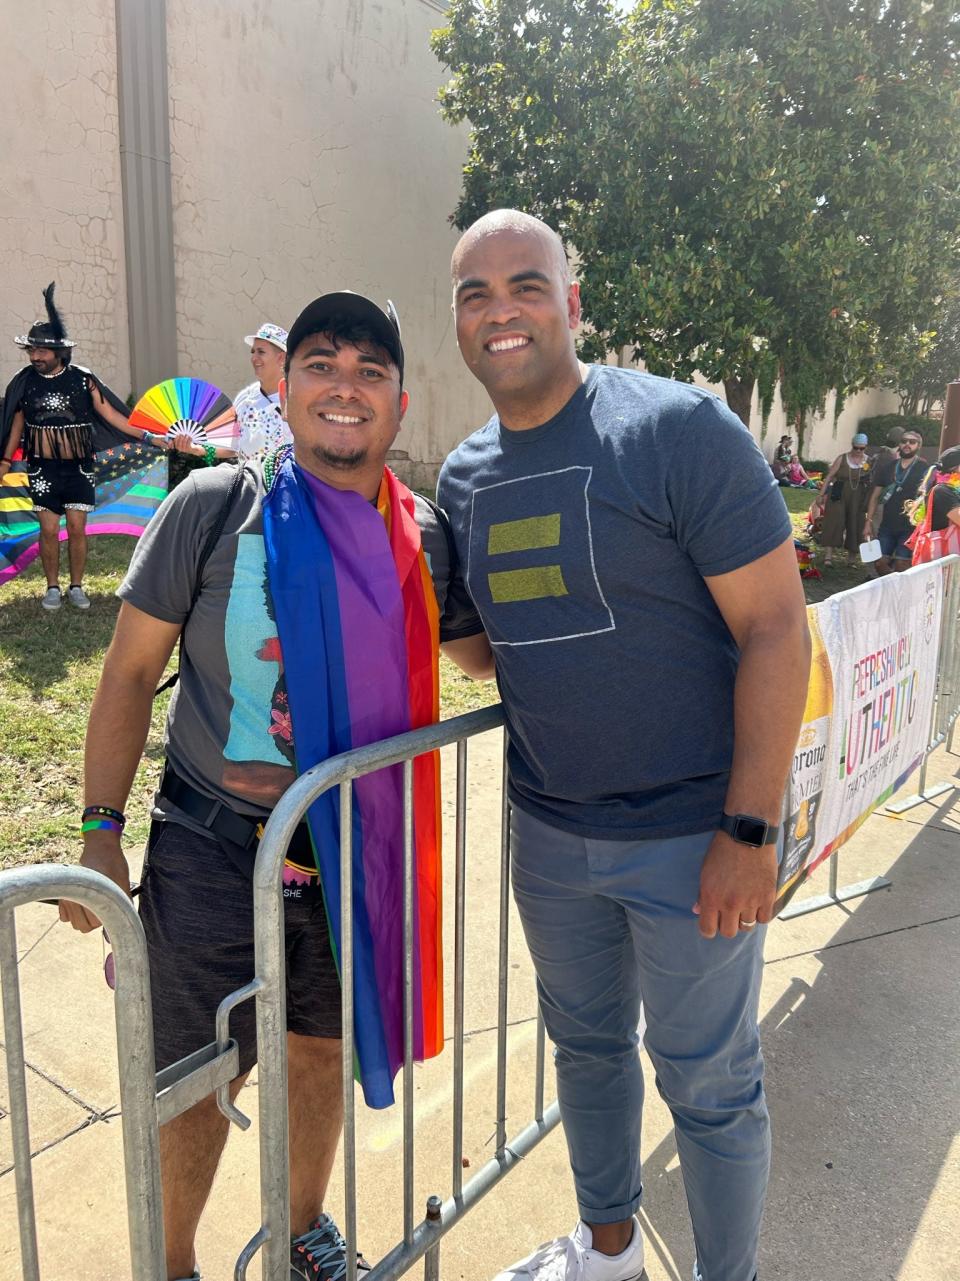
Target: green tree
{"type": "Point", "coordinates": [920, 363]}
{"type": "Point", "coordinates": [757, 191]}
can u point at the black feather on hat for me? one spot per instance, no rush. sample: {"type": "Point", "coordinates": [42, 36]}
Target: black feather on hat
{"type": "Point", "coordinates": [50, 333]}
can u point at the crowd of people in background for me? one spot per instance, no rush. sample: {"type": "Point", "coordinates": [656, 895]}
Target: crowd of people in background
{"type": "Point", "coordinates": [880, 508]}
{"type": "Point", "coordinates": [56, 416]}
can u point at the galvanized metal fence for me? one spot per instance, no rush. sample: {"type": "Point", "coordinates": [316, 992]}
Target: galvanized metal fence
{"type": "Point", "coordinates": [943, 718]}
{"type": "Point", "coordinates": [134, 1051]}
{"type": "Point", "coordinates": [420, 1239]}
{"type": "Point", "coordinates": [946, 706]}
{"type": "Point", "coordinates": [148, 1100]}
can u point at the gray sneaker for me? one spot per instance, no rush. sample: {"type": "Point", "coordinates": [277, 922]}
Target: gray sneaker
{"type": "Point", "coordinates": [52, 598]}
{"type": "Point", "coordinates": [78, 598]}
{"type": "Point", "coordinates": [321, 1253]}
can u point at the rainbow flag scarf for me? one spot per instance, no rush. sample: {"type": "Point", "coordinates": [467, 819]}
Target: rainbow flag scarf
{"type": "Point", "coordinates": [131, 482]}
{"type": "Point", "coordinates": [358, 625]}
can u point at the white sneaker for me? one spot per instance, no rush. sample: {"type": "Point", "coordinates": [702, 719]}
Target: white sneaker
{"type": "Point", "coordinates": [573, 1258]}
{"type": "Point", "coordinates": [52, 598]}
{"type": "Point", "coordinates": [78, 598]}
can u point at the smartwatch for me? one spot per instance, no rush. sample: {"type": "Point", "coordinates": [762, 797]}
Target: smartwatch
{"type": "Point", "coordinates": [749, 830]}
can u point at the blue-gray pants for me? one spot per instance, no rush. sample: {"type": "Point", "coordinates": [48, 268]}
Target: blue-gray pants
{"type": "Point", "coordinates": [609, 922]}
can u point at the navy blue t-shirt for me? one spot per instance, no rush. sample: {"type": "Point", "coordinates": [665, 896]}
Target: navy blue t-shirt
{"type": "Point", "coordinates": [584, 543]}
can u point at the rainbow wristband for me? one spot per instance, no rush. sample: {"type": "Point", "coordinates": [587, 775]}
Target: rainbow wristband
{"type": "Point", "coordinates": [102, 825]}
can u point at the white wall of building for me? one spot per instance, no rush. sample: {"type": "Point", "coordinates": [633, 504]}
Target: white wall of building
{"type": "Point", "coordinates": [61, 215]}
{"type": "Point", "coordinates": [823, 439]}
{"type": "Point", "coordinates": [308, 156]}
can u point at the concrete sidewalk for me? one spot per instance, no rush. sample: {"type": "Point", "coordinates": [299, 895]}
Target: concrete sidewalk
{"type": "Point", "coordinates": [859, 1013]}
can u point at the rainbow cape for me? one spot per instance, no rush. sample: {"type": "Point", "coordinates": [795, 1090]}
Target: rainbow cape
{"type": "Point", "coordinates": [358, 625]}
{"type": "Point", "coordinates": [131, 482]}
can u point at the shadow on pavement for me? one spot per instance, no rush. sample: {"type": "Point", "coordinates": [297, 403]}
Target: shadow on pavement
{"type": "Point", "coordinates": [862, 1051]}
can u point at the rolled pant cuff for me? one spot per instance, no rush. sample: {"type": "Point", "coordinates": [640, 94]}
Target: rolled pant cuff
{"type": "Point", "coordinates": [610, 1213]}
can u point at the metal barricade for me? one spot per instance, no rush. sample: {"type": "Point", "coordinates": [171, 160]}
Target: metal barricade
{"type": "Point", "coordinates": [134, 1049]}
{"type": "Point", "coordinates": [946, 705]}
{"type": "Point", "coordinates": [943, 718]}
{"type": "Point", "coordinates": [419, 1239]}
{"type": "Point", "coordinates": [149, 1100]}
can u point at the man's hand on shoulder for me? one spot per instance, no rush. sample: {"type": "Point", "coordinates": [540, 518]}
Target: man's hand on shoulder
{"type": "Point", "coordinates": [737, 883]}
{"type": "Point", "coordinates": [104, 855]}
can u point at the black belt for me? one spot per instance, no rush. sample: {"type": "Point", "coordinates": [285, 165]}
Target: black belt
{"type": "Point", "coordinates": [244, 830]}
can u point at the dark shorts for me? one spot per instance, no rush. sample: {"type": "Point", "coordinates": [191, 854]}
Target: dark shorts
{"type": "Point", "coordinates": [893, 543]}
{"type": "Point", "coordinates": [197, 913]}
{"type": "Point", "coordinates": [59, 485]}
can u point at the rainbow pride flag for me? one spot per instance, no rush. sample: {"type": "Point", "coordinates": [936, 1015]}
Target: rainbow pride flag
{"type": "Point", "coordinates": [358, 624]}
{"type": "Point", "coordinates": [131, 482]}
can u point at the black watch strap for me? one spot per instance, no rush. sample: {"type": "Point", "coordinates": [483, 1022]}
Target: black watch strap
{"type": "Point", "coordinates": [749, 830]}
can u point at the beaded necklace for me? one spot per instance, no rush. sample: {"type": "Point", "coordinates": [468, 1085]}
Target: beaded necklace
{"type": "Point", "coordinates": [272, 463]}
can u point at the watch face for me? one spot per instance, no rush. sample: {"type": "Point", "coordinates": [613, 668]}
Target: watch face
{"type": "Point", "coordinates": [751, 831]}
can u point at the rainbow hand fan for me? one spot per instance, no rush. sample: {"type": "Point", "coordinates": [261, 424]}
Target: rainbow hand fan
{"type": "Point", "coordinates": [189, 406]}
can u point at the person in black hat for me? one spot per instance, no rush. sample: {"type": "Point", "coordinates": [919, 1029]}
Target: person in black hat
{"type": "Point", "coordinates": [231, 734]}
{"type": "Point", "coordinates": [59, 414]}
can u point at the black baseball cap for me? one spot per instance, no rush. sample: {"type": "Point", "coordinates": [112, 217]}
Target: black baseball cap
{"type": "Point", "coordinates": [346, 305]}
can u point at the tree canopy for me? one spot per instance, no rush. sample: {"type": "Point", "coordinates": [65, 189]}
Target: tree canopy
{"type": "Point", "coordinates": [757, 191]}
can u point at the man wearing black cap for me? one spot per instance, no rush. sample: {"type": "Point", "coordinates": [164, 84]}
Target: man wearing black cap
{"type": "Point", "coordinates": [230, 744]}
{"type": "Point", "coordinates": [58, 415]}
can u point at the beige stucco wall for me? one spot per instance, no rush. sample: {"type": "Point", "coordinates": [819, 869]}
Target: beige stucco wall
{"type": "Point", "coordinates": [308, 155]}
{"type": "Point", "coordinates": [823, 438]}
{"type": "Point", "coordinates": [61, 213]}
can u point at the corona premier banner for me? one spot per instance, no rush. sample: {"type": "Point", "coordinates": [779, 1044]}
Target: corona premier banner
{"type": "Point", "coordinates": [867, 719]}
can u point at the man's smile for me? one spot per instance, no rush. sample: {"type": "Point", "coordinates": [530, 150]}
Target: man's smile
{"type": "Point", "coordinates": [509, 342]}
{"type": "Point", "coordinates": [349, 420]}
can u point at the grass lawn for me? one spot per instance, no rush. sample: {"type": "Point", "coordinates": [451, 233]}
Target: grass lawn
{"type": "Point", "coordinates": [49, 668]}
{"type": "Point", "coordinates": [838, 577]}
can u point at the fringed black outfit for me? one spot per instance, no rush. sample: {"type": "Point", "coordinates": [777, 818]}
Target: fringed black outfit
{"type": "Point", "coordinates": [57, 440]}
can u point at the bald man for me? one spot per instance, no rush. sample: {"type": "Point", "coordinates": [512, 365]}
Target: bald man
{"type": "Point", "coordinates": [632, 561]}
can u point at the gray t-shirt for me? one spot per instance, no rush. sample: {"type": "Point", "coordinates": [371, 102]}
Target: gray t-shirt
{"type": "Point", "coordinates": [585, 543]}
{"type": "Point", "coordinates": [226, 731]}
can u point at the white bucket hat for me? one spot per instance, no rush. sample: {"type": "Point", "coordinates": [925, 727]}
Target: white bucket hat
{"type": "Point", "coordinates": [269, 333]}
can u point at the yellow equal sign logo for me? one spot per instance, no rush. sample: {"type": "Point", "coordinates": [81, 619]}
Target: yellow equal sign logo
{"type": "Point", "coordinates": [536, 582]}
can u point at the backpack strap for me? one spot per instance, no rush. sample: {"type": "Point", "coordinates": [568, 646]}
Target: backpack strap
{"type": "Point", "coordinates": [216, 530]}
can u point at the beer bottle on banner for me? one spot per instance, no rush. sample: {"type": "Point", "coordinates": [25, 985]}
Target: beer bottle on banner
{"type": "Point", "coordinates": [808, 771]}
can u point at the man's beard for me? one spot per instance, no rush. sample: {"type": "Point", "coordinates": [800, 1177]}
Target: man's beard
{"type": "Point", "coordinates": [342, 462]}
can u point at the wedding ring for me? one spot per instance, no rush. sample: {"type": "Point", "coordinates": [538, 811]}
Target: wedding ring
{"type": "Point", "coordinates": [747, 925]}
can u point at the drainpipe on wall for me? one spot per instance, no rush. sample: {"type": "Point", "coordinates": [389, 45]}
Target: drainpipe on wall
{"type": "Point", "coordinates": [147, 196]}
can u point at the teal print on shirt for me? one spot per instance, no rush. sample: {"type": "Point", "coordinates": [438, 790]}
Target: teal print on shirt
{"type": "Point", "coordinates": [530, 566]}
{"type": "Point", "coordinates": [253, 657]}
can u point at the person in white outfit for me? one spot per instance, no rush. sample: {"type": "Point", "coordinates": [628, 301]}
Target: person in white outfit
{"type": "Point", "coordinates": [261, 428]}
